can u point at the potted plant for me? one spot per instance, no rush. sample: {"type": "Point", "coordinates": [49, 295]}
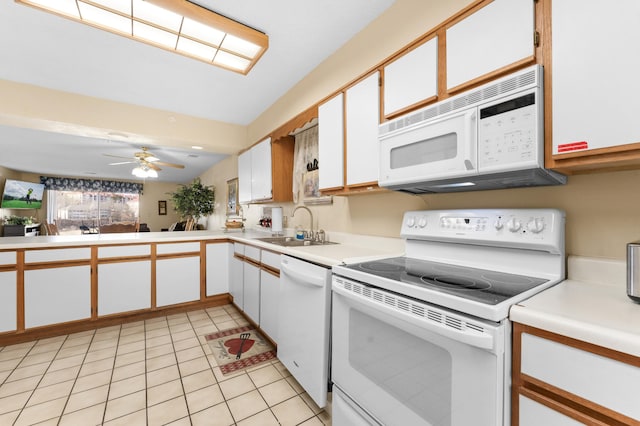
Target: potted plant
{"type": "Point", "coordinates": [14, 225]}
{"type": "Point", "coordinates": [194, 200]}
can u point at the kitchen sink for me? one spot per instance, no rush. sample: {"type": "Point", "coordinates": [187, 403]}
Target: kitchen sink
{"type": "Point", "coordinates": [292, 242]}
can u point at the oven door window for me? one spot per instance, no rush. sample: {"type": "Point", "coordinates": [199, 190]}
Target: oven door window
{"type": "Point", "coordinates": [402, 374]}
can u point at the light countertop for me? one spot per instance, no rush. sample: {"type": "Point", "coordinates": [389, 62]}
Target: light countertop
{"type": "Point", "coordinates": [591, 305]}
{"type": "Point", "coordinates": [350, 248]}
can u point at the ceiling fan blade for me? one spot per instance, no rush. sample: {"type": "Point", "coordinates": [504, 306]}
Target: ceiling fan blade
{"type": "Point", "coordinates": [153, 166]}
{"type": "Point", "coordinates": [116, 156]}
{"type": "Point", "coordinates": [163, 163]}
{"type": "Point", "coordinates": [122, 162]}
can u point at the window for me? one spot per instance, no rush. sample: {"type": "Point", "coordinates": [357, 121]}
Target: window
{"type": "Point", "coordinates": [77, 212]}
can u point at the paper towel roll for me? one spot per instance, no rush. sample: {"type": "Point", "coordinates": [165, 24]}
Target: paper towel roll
{"type": "Point", "coordinates": [276, 219]}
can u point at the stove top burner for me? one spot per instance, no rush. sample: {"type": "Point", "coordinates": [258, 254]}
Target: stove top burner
{"type": "Point", "coordinates": [489, 287]}
{"type": "Point", "coordinates": [460, 283]}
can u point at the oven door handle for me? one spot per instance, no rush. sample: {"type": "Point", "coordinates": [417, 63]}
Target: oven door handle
{"type": "Point", "coordinates": [482, 341]}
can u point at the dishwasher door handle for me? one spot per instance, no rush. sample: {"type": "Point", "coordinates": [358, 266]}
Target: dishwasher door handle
{"type": "Point", "coordinates": [303, 277]}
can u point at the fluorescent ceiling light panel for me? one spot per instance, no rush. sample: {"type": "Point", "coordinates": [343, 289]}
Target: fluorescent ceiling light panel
{"type": "Point", "coordinates": [155, 35]}
{"type": "Point", "coordinates": [179, 26]}
{"type": "Point", "coordinates": [99, 17]}
{"type": "Point", "coordinates": [196, 49]}
{"type": "Point", "coordinates": [230, 61]}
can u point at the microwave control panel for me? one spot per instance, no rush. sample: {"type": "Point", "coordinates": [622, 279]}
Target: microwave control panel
{"type": "Point", "coordinates": [508, 134]}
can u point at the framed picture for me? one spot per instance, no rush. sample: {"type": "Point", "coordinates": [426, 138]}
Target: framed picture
{"type": "Point", "coordinates": [162, 208]}
{"type": "Point", "coordinates": [232, 197]}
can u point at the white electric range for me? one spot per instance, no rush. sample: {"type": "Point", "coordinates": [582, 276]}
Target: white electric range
{"type": "Point", "coordinates": [424, 339]}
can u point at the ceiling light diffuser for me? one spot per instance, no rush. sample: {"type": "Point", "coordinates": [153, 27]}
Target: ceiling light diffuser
{"type": "Point", "coordinates": [179, 26]}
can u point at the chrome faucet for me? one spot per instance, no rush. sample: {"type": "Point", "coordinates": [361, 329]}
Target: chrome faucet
{"type": "Point", "coordinates": [310, 217]}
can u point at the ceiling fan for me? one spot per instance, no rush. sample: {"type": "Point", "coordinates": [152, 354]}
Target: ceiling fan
{"type": "Point", "coordinates": [147, 163]}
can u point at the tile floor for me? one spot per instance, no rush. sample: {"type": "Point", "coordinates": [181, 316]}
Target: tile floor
{"type": "Point", "coordinates": [155, 372]}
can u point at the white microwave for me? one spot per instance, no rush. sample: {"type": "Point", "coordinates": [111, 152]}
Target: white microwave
{"type": "Point", "coordinates": [488, 138]}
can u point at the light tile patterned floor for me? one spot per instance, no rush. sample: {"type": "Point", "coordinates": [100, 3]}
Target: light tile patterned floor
{"type": "Point", "coordinates": [155, 372]}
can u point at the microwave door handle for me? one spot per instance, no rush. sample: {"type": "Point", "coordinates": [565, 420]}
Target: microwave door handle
{"type": "Point", "coordinates": [471, 162]}
{"type": "Point", "coordinates": [479, 341]}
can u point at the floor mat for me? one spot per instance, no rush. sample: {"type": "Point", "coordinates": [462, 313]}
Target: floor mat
{"type": "Point", "coordinates": [239, 348]}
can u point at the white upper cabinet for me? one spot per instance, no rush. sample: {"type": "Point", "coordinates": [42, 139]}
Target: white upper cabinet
{"type": "Point", "coordinates": [411, 78]}
{"type": "Point", "coordinates": [244, 177]}
{"type": "Point", "coordinates": [595, 81]}
{"type": "Point", "coordinates": [261, 179]}
{"type": "Point", "coordinates": [496, 36]}
{"type": "Point", "coordinates": [362, 121]}
{"type": "Point", "coordinates": [331, 143]}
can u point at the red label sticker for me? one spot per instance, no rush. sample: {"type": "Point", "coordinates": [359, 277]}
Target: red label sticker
{"type": "Point", "coordinates": [573, 146]}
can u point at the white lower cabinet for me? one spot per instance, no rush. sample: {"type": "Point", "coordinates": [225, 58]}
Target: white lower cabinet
{"type": "Point", "coordinates": [56, 295]}
{"type": "Point", "coordinates": [124, 286]}
{"type": "Point", "coordinates": [236, 282]}
{"type": "Point", "coordinates": [533, 413]}
{"type": "Point", "coordinates": [177, 280]}
{"type": "Point", "coordinates": [218, 263]}
{"type": "Point", "coordinates": [269, 295]}
{"type": "Point", "coordinates": [8, 301]}
{"type": "Point", "coordinates": [251, 279]}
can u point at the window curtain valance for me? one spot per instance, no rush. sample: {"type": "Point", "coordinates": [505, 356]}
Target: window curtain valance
{"type": "Point", "coordinates": [90, 185]}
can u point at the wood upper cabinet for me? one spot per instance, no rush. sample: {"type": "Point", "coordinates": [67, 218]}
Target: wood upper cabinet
{"type": "Point", "coordinates": [349, 132]}
{"type": "Point", "coordinates": [492, 39]}
{"type": "Point", "coordinates": [412, 79]}
{"type": "Point", "coordinates": [594, 84]}
{"type": "Point", "coordinates": [8, 291]}
{"type": "Point", "coordinates": [331, 143]}
{"type": "Point", "coordinates": [265, 171]}
{"type": "Point", "coordinates": [261, 184]}
{"type": "Point", "coordinates": [362, 120]}
{"type": "Point", "coordinates": [561, 381]}
{"type": "Point", "coordinates": [244, 177]}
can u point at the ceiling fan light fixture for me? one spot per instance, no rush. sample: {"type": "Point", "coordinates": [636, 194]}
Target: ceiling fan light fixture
{"type": "Point", "coordinates": [179, 26]}
{"type": "Point", "coordinates": [144, 172]}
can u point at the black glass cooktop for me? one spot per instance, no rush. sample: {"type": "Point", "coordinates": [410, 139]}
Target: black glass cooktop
{"type": "Point", "coordinates": [483, 286]}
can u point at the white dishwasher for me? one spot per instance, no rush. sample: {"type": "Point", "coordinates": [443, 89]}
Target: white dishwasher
{"type": "Point", "coordinates": [304, 324]}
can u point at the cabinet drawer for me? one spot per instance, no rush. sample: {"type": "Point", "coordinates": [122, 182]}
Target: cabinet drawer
{"type": "Point", "coordinates": [252, 253]}
{"type": "Point", "coordinates": [177, 248]}
{"type": "Point", "coordinates": [7, 258]}
{"type": "Point", "coordinates": [271, 259]}
{"type": "Point", "coordinates": [602, 380]}
{"type": "Point", "coordinates": [57, 255]}
{"type": "Point", "coordinates": [238, 248]}
{"type": "Point", "coordinates": [124, 251]}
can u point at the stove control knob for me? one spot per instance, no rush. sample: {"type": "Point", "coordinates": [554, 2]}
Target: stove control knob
{"type": "Point", "coordinates": [514, 225]}
{"type": "Point", "coordinates": [422, 222]}
{"type": "Point", "coordinates": [536, 226]}
{"type": "Point", "coordinates": [498, 225]}
{"type": "Point", "coordinates": [411, 221]}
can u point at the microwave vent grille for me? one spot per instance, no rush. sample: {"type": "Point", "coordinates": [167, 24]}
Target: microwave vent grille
{"type": "Point", "coordinates": [484, 93]}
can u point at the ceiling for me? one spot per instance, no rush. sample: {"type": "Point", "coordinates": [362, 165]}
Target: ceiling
{"type": "Point", "coordinates": [53, 52]}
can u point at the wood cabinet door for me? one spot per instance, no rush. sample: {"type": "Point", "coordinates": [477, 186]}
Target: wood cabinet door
{"type": "Point", "coordinates": [218, 264]}
{"type": "Point", "coordinates": [124, 286]}
{"type": "Point", "coordinates": [362, 121]}
{"type": "Point", "coordinates": [269, 296]}
{"type": "Point", "coordinates": [8, 301]}
{"type": "Point", "coordinates": [251, 281]}
{"type": "Point", "coordinates": [533, 413]}
{"type": "Point", "coordinates": [55, 295]}
{"type": "Point", "coordinates": [177, 280]}
{"type": "Point", "coordinates": [261, 178]}
{"type": "Point", "coordinates": [331, 143]}
{"type": "Point", "coordinates": [412, 78]}
{"type": "Point", "coordinates": [244, 177]}
{"type": "Point", "coordinates": [496, 36]}
{"type": "Point", "coordinates": [595, 74]}
{"type": "Point", "coordinates": [236, 284]}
